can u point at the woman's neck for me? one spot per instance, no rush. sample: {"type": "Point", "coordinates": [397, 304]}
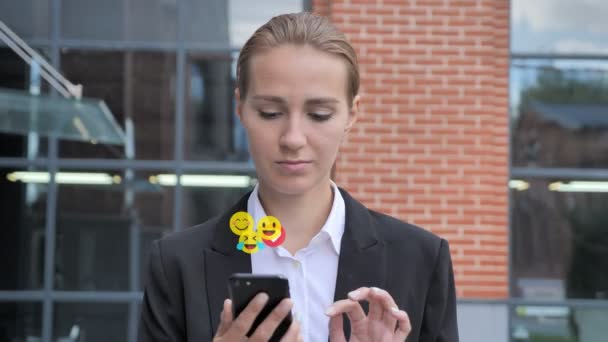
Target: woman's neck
{"type": "Point", "coordinates": [302, 215]}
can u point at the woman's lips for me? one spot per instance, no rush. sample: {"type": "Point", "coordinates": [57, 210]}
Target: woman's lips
{"type": "Point", "coordinates": [294, 166]}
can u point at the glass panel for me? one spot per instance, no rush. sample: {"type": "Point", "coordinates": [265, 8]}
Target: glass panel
{"type": "Point", "coordinates": [202, 203]}
{"type": "Point", "coordinates": [20, 322]}
{"type": "Point", "coordinates": [138, 87]}
{"type": "Point", "coordinates": [154, 207]}
{"type": "Point", "coordinates": [230, 23]}
{"type": "Point", "coordinates": [244, 19]}
{"type": "Point", "coordinates": [91, 322]}
{"type": "Point", "coordinates": [559, 239]}
{"type": "Point", "coordinates": [16, 74]}
{"type": "Point", "coordinates": [23, 222]}
{"type": "Point", "coordinates": [558, 324]}
{"type": "Point", "coordinates": [559, 26]}
{"type": "Point", "coordinates": [102, 244]}
{"type": "Point", "coordinates": [134, 20]}
{"type": "Point", "coordinates": [207, 22]}
{"type": "Point", "coordinates": [27, 18]}
{"type": "Point", "coordinates": [212, 130]}
{"type": "Point", "coordinates": [559, 113]}
{"type": "Point", "coordinates": [85, 119]}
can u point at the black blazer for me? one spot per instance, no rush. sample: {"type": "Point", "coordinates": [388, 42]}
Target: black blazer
{"type": "Point", "coordinates": [187, 274]}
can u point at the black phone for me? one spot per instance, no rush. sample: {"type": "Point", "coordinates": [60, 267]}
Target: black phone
{"type": "Point", "coordinates": [242, 287]}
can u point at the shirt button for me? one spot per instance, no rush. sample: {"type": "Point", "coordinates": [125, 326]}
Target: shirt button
{"type": "Point", "coordinates": [296, 264]}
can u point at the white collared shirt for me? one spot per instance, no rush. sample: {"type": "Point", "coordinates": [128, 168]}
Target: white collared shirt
{"type": "Point", "coordinates": [311, 272]}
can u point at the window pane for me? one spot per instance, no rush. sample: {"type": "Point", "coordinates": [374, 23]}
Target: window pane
{"type": "Point", "coordinates": [207, 22]}
{"type": "Point", "coordinates": [559, 239]}
{"type": "Point", "coordinates": [133, 20]}
{"type": "Point", "coordinates": [212, 130]}
{"type": "Point", "coordinates": [202, 203]}
{"type": "Point", "coordinates": [22, 236]}
{"type": "Point", "coordinates": [230, 23]}
{"type": "Point", "coordinates": [27, 18]}
{"type": "Point", "coordinates": [558, 323]}
{"type": "Point", "coordinates": [92, 321]}
{"type": "Point", "coordinates": [20, 321]}
{"type": "Point", "coordinates": [559, 26]}
{"type": "Point", "coordinates": [244, 19]}
{"type": "Point", "coordinates": [559, 113]}
{"type": "Point", "coordinates": [16, 74]}
{"type": "Point", "coordinates": [154, 206]}
{"type": "Point", "coordinates": [137, 86]}
{"type": "Point", "coordinates": [102, 243]}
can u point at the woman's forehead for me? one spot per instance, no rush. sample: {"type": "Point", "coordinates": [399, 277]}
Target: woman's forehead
{"type": "Point", "coordinates": [297, 70]}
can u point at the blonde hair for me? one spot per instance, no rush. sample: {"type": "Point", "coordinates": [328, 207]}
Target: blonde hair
{"type": "Point", "coordinates": [299, 29]}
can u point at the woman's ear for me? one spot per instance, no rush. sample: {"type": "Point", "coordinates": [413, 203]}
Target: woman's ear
{"type": "Point", "coordinates": [353, 113]}
{"type": "Point", "coordinates": [238, 103]}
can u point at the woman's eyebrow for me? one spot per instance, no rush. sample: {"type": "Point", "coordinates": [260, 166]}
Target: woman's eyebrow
{"type": "Point", "coordinates": [309, 102]}
{"type": "Point", "coordinates": [322, 101]}
{"type": "Point", "coordinates": [269, 98]}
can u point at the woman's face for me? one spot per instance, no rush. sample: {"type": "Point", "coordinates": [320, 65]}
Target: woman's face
{"type": "Point", "coordinates": [296, 115]}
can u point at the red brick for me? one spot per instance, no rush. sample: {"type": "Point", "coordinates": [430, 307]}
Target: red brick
{"type": "Point", "coordinates": [376, 30]}
{"type": "Point", "coordinates": [410, 10]}
{"type": "Point", "coordinates": [475, 292]}
{"type": "Point", "coordinates": [363, 20]}
{"type": "Point", "coordinates": [431, 145]}
{"type": "Point", "coordinates": [398, 21]}
{"type": "Point", "coordinates": [379, 11]}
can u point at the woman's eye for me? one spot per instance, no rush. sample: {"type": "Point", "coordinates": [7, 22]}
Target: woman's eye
{"type": "Point", "coordinates": [319, 117]}
{"type": "Point", "coordinates": [269, 115]}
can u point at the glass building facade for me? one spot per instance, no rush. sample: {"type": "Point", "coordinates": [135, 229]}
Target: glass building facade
{"type": "Point", "coordinates": [73, 246]}
{"type": "Point", "coordinates": [559, 171]}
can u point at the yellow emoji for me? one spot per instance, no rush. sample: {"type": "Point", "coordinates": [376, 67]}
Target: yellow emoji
{"type": "Point", "coordinates": [269, 227]}
{"type": "Point", "coordinates": [250, 242]}
{"type": "Point", "coordinates": [240, 222]}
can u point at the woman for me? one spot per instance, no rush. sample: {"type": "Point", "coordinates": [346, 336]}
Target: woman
{"type": "Point", "coordinates": [353, 273]}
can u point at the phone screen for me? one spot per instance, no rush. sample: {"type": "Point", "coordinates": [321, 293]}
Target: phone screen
{"type": "Point", "coordinates": [243, 287]}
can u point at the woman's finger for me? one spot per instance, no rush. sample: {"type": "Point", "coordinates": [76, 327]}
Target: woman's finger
{"type": "Point", "coordinates": [404, 327]}
{"type": "Point", "coordinates": [390, 319]}
{"type": "Point", "coordinates": [241, 325]}
{"type": "Point", "coordinates": [293, 333]}
{"type": "Point", "coordinates": [384, 300]}
{"type": "Point", "coordinates": [375, 307]}
{"type": "Point", "coordinates": [359, 294]}
{"type": "Point", "coordinates": [355, 314]}
{"type": "Point", "coordinates": [336, 329]}
{"type": "Point", "coordinates": [267, 328]}
{"type": "Point", "coordinates": [376, 311]}
{"type": "Point", "coordinates": [383, 297]}
{"type": "Point", "coordinates": [375, 321]}
{"type": "Point", "coordinates": [225, 318]}
{"type": "Point", "coordinates": [352, 309]}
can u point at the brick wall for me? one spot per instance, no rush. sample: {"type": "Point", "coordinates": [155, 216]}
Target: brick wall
{"type": "Point", "coordinates": [431, 144]}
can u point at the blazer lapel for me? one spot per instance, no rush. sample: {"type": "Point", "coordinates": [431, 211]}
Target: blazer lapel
{"type": "Point", "coordinates": [362, 260]}
{"type": "Point", "coordinates": [221, 260]}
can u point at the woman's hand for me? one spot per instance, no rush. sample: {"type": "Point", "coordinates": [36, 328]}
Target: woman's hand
{"type": "Point", "coordinates": [231, 329]}
{"type": "Point", "coordinates": [385, 322]}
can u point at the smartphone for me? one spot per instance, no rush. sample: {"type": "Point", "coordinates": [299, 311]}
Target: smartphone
{"type": "Point", "coordinates": [242, 287]}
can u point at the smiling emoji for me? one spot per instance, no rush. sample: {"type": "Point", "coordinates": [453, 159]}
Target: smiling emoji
{"type": "Point", "coordinates": [269, 227]}
{"type": "Point", "coordinates": [250, 242]}
{"type": "Point", "coordinates": [240, 222]}
{"type": "Point", "coordinates": [276, 242]}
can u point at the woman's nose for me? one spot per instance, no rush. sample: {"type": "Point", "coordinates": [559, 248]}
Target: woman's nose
{"type": "Point", "coordinates": [293, 136]}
